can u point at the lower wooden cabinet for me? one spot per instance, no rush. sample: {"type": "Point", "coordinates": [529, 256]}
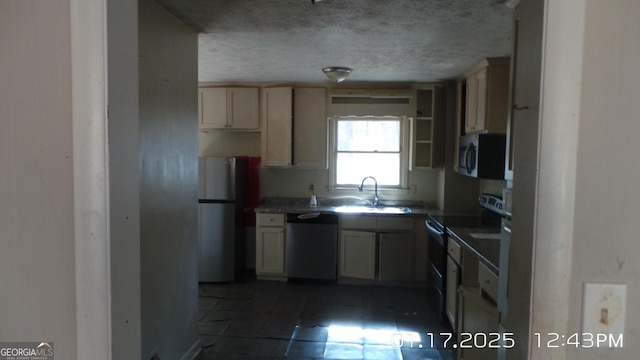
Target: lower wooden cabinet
{"type": "Point", "coordinates": [451, 301]}
{"type": "Point", "coordinates": [270, 251]}
{"type": "Point", "coordinates": [377, 248]}
{"type": "Point", "coordinates": [395, 256]}
{"type": "Point", "coordinates": [478, 318]}
{"type": "Point", "coordinates": [270, 244]}
{"type": "Point", "coordinates": [358, 254]}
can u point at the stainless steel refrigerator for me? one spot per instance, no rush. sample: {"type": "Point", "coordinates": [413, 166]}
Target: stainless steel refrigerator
{"type": "Point", "coordinates": [218, 219]}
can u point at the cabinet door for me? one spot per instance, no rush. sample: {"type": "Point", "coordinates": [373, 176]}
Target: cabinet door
{"type": "Point", "coordinates": [481, 99]}
{"type": "Point", "coordinates": [270, 251]}
{"type": "Point", "coordinates": [472, 98]}
{"type": "Point", "coordinates": [453, 279]}
{"type": "Point", "coordinates": [357, 254]}
{"type": "Point", "coordinates": [213, 108]}
{"type": "Point", "coordinates": [395, 256]}
{"type": "Point", "coordinates": [276, 130]}
{"type": "Point", "coordinates": [476, 110]}
{"type": "Point", "coordinates": [310, 130]}
{"type": "Point", "coordinates": [478, 318]}
{"type": "Point", "coordinates": [243, 108]}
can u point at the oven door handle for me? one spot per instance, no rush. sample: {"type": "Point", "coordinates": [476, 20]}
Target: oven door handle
{"type": "Point", "coordinates": [432, 228]}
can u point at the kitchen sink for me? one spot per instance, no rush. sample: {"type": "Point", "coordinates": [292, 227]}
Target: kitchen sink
{"type": "Point", "coordinates": [372, 209]}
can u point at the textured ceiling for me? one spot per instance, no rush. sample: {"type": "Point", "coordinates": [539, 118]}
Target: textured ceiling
{"type": "Point", "coordinates": [382, 40]}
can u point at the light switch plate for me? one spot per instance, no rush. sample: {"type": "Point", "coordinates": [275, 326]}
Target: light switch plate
{"type": "Point", "coordinates": [604, 309]}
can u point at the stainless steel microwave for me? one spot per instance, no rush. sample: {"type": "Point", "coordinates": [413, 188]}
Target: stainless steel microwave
{"type": "Point", "coordinates": [482, 155]}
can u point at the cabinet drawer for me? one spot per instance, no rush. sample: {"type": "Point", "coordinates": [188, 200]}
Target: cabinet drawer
{"type": "Point", "coordinates": [270, 219]}
{"type": "Point", "coordinates": [395, 223]}
{"type": "Point", "coordinates": [453, 249]}
{"type": "Point", "coordinates": [488, 281]}
{"type": "Point", "coordinates": [358, 222]}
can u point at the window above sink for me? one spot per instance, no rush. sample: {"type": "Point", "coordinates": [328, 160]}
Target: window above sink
{"type": "Point", "coordinates": [364, 146]}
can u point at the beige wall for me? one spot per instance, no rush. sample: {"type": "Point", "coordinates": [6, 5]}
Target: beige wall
{"type": "Point", "coordinates": [54, 268]}
{"type": "Point", "coordinates": [605, 239]}
{"type": "Point", "coordinates": [586, 223]}
{"type": "Point", "coordinates": [36, 186]}
{"type": "Point", "coordinates": [168, 151]}
{"type": "Point", "coordinates": [124, 203]}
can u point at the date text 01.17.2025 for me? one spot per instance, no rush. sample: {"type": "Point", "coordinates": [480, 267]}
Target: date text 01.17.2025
{"type": "Point", "coordinates": [466, 340]}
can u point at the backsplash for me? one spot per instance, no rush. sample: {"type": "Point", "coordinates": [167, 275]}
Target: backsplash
{"type": "Point", "coordinates": [296, 182]}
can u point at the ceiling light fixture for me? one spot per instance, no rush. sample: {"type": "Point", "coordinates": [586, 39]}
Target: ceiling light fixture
{"type": "Point", "coordinates": [337, 73]}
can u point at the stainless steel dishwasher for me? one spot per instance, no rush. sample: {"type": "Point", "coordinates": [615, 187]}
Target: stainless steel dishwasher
{"type": "Point", "coordinates": [312, 246]}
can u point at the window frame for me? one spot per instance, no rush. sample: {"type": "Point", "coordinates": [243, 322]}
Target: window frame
{"type": "Point", "coordinates": [405, 150]}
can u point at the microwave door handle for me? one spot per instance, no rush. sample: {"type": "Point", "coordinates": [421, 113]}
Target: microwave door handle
{"type": "Point", "coordinates": [467, 152]}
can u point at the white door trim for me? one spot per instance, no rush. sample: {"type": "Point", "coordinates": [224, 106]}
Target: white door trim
{"type": "Point", "coordinates": [91, 178]}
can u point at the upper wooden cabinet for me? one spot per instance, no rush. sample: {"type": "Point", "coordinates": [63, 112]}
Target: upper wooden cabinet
{"type": "Point", "coordinates": [295, 128]}
{"type": "Point", "coordinates": [427, 144]}
{"type": "Point", "coordinates": [277, 127]}
{"type": "Point", "coordinates": [310, 128]}
{"type": "Point", "coordinates": [229, 108]}
{"type": "Point", "coordinates": [487, 96]}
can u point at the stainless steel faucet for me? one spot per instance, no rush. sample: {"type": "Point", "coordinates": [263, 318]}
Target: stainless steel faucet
{"type": "Point", "coordinates": [375, 197]}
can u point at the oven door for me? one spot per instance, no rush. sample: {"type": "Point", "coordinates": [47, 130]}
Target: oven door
{"type": "Point", "coordinates": [436, 268]}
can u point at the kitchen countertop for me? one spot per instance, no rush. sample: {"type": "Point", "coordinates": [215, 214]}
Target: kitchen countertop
{"type": "Point", "coordinates": [298, 205]}
{"type": "Point", "coordinates": [486, 249]}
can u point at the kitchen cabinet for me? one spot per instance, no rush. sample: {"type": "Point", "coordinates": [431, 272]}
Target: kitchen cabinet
{"type": "Point", "coordinates": [351, 92]}
{"type": "Point", "coordinates": [310, 128]}
{"type": "Point", "coordinates": [427, 129]}
{"type": "Point", "coordinates": [277, 127]}
{"type": "Point", "coordinates": [488, 282]}
{"type": "Point", "coordinates": [229, 108]}
{"type": "Point", "coordinates": [387, 239]}
{"type": "Point", "coordinates": [451, 301]}
{"type": "Point", "coordinates": [454, 277]}
{"type": "Point", "coordinates": [391, 93]}
{"type": "Point", "coordinates": [270, 244]}
{"type": "Point", "coordinates": [373, 93]}
{"type": "Point", "coordinates": [295, 128]}
{"type": "Point", "coordinates": [479, 318]}
{"type": "Point", "coordinates": [487, 92]}
{"type": "Point", "coordinates": [358, 254]}
{"type": "Point", "coordinates": [395, 256]}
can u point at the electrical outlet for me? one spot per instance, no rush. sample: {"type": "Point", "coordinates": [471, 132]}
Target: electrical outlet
{"type": "Point", "coordinates": [312, 187]}
{"type": "Point", "coordinates": [413, 188]}
{"type": "Point", "coordinates": [604, 310]}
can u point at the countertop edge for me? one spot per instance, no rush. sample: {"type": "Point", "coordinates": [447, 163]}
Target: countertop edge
{"type": "Point", "coordinates": [283, 209]}
{"type": "Point", "coordinates": [461, 234]}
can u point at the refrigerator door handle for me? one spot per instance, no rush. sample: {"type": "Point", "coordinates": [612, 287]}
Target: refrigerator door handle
{"type": "Point", "coordinates": [232, 178]}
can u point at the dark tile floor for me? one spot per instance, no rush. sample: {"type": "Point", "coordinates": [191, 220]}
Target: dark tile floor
{"type": "Point", "coordinates": [269, 320]}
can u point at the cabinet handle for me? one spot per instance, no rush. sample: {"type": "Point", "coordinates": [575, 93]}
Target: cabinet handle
{"type": "Point", "coordinates": [519, 108]}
